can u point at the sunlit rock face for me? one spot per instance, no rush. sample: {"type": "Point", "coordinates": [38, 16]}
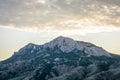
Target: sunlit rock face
{"type": "Point", "coordinates": [60, 59]}
{"type": "Point", "coordinates": [68, 45]}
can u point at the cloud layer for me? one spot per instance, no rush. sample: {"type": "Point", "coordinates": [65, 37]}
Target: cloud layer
{"type": "Point", "coordinates": [60, 14]}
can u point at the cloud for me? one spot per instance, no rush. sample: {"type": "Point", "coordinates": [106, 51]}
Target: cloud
{"type": "Point", "coordinates": [36, 15]}
{"type": "Point", "coordinates": [66, 32]}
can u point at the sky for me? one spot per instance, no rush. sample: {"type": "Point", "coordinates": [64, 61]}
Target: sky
{"type": "Point", "coordinates": [39, 21]}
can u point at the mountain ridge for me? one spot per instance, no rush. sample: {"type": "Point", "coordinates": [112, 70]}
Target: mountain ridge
{"type": "Point", "coordinates": [65, 44]}
{"type": "Point", "coordinates": [60, 59]}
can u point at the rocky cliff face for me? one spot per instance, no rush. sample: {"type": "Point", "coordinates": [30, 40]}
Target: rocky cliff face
{"type": "Point", "coordinates": [68, 45]}
{"type": "Point", "coordinates": [60, 59]}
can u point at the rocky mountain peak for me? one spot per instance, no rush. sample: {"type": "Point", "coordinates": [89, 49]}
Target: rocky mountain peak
{"type": "Point", "coordinates": [63, 43]}
{"type": "Point", "coordinates": [63, 40]}
{"type": "Point", "coordinates": [67, 45]}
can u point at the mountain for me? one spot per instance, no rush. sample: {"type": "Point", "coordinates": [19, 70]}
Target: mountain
{"type": "Point", "coordinates": [61, 59]}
